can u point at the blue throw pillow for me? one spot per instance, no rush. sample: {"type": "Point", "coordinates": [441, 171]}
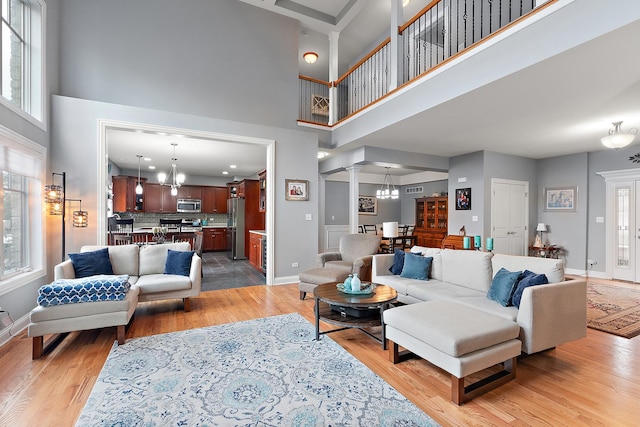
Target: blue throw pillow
{"type": "Point", "coordinates": [398, 262]}
{"type": "Point", "coordinates": [416, 267]}
{"type": "Point", "coordinates": [92, 263]}
{"type": "Point", "coordinates": [502, 286]}
{"type": "Point", "coordinates": [178, 262]}
{"type": "Point", "coordinates": [529, 278]}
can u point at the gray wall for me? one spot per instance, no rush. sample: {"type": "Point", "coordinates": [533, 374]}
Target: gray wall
{"type": "Point", "coordinates": [471, 167]}
{"type": "Point", "coordinates": [223, 58]}
{"type": "Point", "coordinates": [337, 205]}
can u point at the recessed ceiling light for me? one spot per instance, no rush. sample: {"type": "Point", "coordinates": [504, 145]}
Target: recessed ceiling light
{"type": "Point", "coordinates": [232, 166]}
{"type": "Point", "coordinates": [405, 2]}
{"type": "Point", "coordinates": [147, 159]}
{"type": "Point", "coordinates": [152, 167]}
{"type": "Point", "coordinates": [322, 154]}
{"type": "Point", "coordinates": [225, 173]}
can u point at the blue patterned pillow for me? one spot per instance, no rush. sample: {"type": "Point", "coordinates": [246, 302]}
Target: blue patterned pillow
{"type": "Point", "coordinates": [529, 278]}
{"type": "Point", "coordinates": [178, 262]}
{"type": "Point", "coordinates": [398, 262]}
{"type": "Point", "coordinates": [416, 267]}
{"type": "Point", "coordinates": [502, 286]}
{"type": "Point", "coordinates": [93, 263]}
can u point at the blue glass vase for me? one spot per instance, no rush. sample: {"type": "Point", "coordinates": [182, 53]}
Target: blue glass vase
{"type": "Point", "coordinates": [355, 283]}
{"type": "Point", "coordinates": [347, 283]}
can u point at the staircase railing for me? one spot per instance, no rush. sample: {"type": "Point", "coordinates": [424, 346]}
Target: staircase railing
{"type": "Point", "coordinates": [440, 31]}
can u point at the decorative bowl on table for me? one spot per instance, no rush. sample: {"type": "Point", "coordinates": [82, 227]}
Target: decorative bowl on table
{"type": "Point", "coordinates": [366, 288]}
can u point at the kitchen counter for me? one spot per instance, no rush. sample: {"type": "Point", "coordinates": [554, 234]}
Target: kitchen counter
{"type": "Point", "coordinates": [259, 232]}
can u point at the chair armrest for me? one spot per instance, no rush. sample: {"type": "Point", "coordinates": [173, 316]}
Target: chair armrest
{"type": "Point", "coordinates": [380, 265]}
{"type": "Point", "coordinates": [195, 274]}
{"type": "Point", "coordinates": [64, 270]}
{"type": "Point", "coordinates": [362, 267]}
{"type": "Point", "coordinates": [553, 314]}
{"type": "Point", "coordinates": [324, 257]}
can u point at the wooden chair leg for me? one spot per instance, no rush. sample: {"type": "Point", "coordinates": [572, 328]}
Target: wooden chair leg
{"type": "Point", "coordinates": [120, 334]}
{"type": "Point", "coordinates": [38, 346]}
{"type": "Point", "coordinates": [187, 304]}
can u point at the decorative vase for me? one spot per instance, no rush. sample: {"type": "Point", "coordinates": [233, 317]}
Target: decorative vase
{"type": "Point", "coordinates": [355, 283]}
{"type": "Point", "coordinates": [347, 283]}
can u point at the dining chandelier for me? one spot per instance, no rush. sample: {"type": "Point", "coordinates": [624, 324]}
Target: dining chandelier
{"type": "Point", "coordinates": [387, 190]}
{"type": "Point", "coordinates": [173, 178]}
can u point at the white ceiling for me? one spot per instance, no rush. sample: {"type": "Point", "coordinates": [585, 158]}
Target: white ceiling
{"type": "Point", "coordinates": [565, 107]}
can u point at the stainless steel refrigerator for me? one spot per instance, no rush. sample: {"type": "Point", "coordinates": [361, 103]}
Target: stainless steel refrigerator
{"type": "Point", "coordinates": [235, 228]}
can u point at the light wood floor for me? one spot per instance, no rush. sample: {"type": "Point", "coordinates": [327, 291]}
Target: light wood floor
{"type": "Point", "coordinates": [591, 382]}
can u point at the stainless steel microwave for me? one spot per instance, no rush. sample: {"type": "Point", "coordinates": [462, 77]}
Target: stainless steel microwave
{"type": "Point", "coordinates": [189, 205]}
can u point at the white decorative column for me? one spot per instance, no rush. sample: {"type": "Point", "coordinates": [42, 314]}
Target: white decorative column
{"type": "Point", "coordinates": [333, 76]}
{"type": "Point", "coordinates": [354, 190]}
{"type": "Point", "coordinates": [322, 192]}
{"type": "Point", "coordinates": [394, 44]}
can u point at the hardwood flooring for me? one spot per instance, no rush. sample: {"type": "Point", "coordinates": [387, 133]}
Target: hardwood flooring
{"type": "Point", "coordinates": [591, 382]}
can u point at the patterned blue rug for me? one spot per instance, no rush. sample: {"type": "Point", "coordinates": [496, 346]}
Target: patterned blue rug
{"type": "Point", "coordinates": [262, 372]}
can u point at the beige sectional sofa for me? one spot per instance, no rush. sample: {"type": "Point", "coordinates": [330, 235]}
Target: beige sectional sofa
{"type": "Point", "coordinates": [145, 266]}
{"type": "Point", "coordinates": [549, 315]}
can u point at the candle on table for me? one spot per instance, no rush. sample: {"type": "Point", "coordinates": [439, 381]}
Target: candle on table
{"type": "Point", "coordinates": [489, 243]}
{"type": "Point", "coordinates": [476, 242]}
{"type": "Point", "coordinates": [466, 242]}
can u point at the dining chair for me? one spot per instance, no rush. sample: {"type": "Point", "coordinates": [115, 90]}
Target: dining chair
{"type": "Point", "coordinates": [125, 225]}
{"type": "Point", "coordinates": [185, 237]}
{"type": "Point", "coordinates": [122, 239]}
{"type": "Point", "coordinates": [360, 229]}
{"type": "Point", "coordinates": [140, 238]}
{"type": "Point", "coordinates": [369, 229]}
{"type": "Point", "coordinates": [171, 223]}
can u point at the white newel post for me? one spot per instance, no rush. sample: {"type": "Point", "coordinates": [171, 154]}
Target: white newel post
{"type": "Point", "coordinates": [354, 189]}
{"type": "Point", "coordinates": [333, 76]}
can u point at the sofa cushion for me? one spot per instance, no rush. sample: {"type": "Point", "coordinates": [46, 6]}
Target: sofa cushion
{"type": "Point", "coordinates": [528, 278]}
{"type": "Point", "coordinates": [416, 267]}
{"type": "Point", "coordinates": [91, 263]}
{"type": "Point", "coordinates": [153, 258]}
{"type": "Point", "coordinates": [483, 303]}
{"type": "Point", "coordinates": [435, 290]}
{"type": "Point", "coordinates": [503, 285]}
{"type": "Point", "coordinates": [471, 269]}
{"type": "Point", "coordinates": [153, 283]}
{"type": "Point", "coordinates": [124, 258]}
{"type": "Point", "coordinates": [552, 268]}
{"type": "Point", "coordinates": [178, 262]}
{"type": "Point", "coordinates": [344, 266]}
{"type": "Point", "coordinates": [398, 262]}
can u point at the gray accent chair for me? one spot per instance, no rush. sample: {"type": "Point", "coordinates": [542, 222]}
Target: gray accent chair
{"type": "Point", "coordinates": [355, 256]}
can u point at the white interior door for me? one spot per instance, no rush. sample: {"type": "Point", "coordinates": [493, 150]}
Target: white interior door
{"type": "Point", "coordinates": [509, 216]}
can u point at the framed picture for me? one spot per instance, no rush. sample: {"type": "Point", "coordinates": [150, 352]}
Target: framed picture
{"type": "Point", "coordinates": [367, 205]}
{"type": "Point", "coordinates": [560, 199]}
{"type": "Point", "coordinates": [463, 199]}
{"type": "Point", "coordinates": [296, 189]}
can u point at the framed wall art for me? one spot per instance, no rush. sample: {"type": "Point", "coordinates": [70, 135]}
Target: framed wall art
{"type": "Point", "coordinates": [296, 189]}
{"type": "Point", "coordinates": [560, 199]}
{"type": "Point", "coordinates": [367, 205]}
{"type": "Point", "coordinates": [463, 199]}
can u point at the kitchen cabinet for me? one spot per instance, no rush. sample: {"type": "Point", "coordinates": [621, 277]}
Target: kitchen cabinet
{"type": "Point", "coordinates": [158, 199]}
{"type": "Point", "coordinates": [125, 198]}
{"type": "Point", "coordinates": [256, 249]}
{"type": "Point", "coordinates": [431, 221]}
{"type": "Point", "coordinates": [233, 190]}
{"type": "Point", "coordinates": [253, 218]}
{"type": "Point", "coordinates": [214, 199]}
{"type": "Point", "coordinates": [214, 239]}
{"type": "Point", "coordinates": [241, 191]}
{"type": "Point", "coordinates": [262, 191]}
{"type": "Point", "coordinates": [190, 192]}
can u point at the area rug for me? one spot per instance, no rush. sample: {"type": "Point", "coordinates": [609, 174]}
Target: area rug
{"type": "Point", "coordinates": [262, 372]}
{"type": "Point", "coordinates": [613, 309]}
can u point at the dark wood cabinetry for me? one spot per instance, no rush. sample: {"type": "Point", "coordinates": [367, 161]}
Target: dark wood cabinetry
{"type": "Point", "coordinates": [253, 218]}
{"type": "Point", "coordinates": [262, 192]}
{"type": "Point", "coordinates": [214, 199]}
{"type": "Point", "coordinates": [158, 199]}
{"type": "Point", "coordinates": [431, 221]}
{"type": "Point", "coordinates": [214, 239]}
{"type": "Point", "coordinates": [125, 198]}
{"type": "Point", "coordinates": [190, 192]}
{"type": "Point", "coordinates": [256, 249]}
{"type": "Point", "coordinates": [232, 188]}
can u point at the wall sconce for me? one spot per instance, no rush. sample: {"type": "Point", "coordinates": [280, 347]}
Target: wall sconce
{"type": "Point", "coordinates": [617, 138]}
{"type": "Point", "coordinates": [55, 198]}
{"type": "Point", "coordinates": [310, 57]}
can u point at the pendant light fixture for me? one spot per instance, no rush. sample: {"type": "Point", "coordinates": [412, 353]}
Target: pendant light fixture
{"type": "Point", "coordinates": [618, 138]}
{"type": "Point", "coordinates": [387, 190]}
{"type": "Point", "coordinates": [310, 57]}
{"type": "Point", "coordinates": [177, 178]}
{"type": "Point", "coordinates": [139, 186]}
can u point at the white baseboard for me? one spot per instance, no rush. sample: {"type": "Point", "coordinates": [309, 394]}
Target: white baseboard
{"type": "Point", "coordinates": [286, 280]}
{"type": "Point", "coordinates": [591, 273]}
{"type": "Point", "coordinates": [9, 332]}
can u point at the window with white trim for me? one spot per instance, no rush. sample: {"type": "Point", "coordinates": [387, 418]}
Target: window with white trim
{"type": "Point", "coordinates": [22, 56]}
{"type": "Point", "coordinates": [21, 164]}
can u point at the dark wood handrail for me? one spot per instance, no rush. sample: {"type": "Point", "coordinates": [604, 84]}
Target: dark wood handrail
{"type": "Point", "coordinates": [418, 15]}
{"type": "Point", "coordinates": [363, 60]}
{"type": "Point", "coordinates": [311, 79]}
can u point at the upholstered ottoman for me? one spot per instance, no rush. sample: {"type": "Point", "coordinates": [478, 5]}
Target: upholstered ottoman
{"type": "Point", "coordinates": [60, 319]}
{"type": "Point", "coordinates": [309, 279]}
{"type": "Point", "coordinates": [458, 339]}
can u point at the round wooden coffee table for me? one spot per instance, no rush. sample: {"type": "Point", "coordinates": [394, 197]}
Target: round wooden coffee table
{"type": "Point", "coordinates": [352, 311]}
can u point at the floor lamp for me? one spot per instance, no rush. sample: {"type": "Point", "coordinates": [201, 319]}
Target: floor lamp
{"type": "Point", "coordinates": [55, 198]}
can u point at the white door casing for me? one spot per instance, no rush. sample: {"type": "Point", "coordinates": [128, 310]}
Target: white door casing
{"type": "Point", "coordinates": [509, 216]}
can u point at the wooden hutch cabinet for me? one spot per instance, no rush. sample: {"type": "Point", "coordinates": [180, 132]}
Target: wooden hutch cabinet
{"type": "Point", "coordinates": [431, 221]}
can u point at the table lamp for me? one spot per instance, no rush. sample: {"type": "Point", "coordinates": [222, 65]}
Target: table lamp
{"type": "Point", "coordinates": [389, 229]}
{"type": "Point", "coordinates": [541, 228]}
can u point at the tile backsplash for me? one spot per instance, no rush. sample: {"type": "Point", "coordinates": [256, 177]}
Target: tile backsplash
{"type": "Point", "coordinates": [153, 219]}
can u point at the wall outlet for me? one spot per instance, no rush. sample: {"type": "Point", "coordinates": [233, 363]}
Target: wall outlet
{"type": "Point", "coordinates": [294, 264]}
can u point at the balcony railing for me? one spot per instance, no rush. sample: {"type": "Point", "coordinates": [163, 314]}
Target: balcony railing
{"type": "Point", "coordinates": [439, 32]}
